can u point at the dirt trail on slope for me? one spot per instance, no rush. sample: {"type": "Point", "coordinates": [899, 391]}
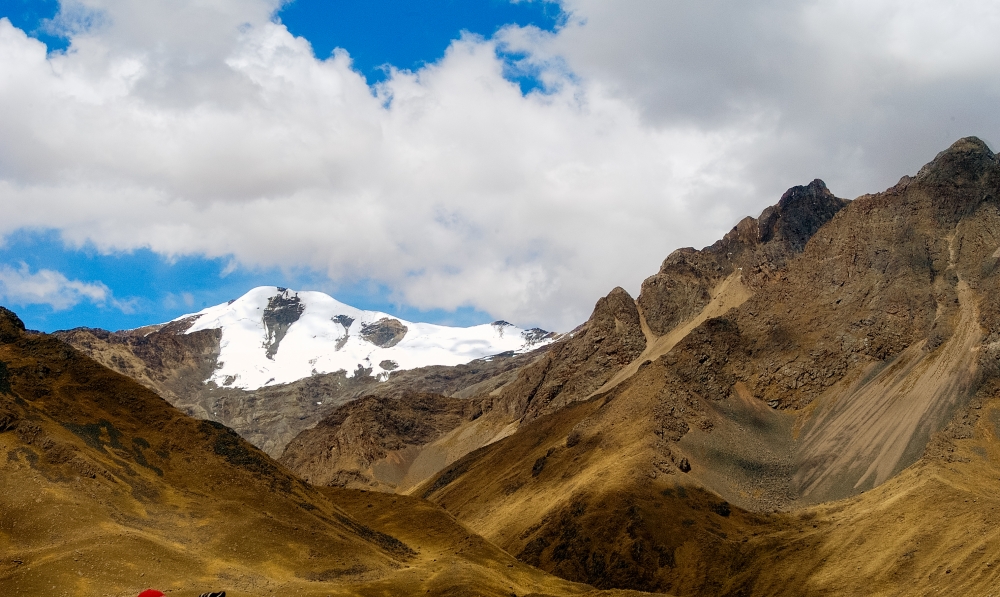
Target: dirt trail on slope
{"type": "Point", "coordinates": [864, 432]}
{"type": "Point", "coordinates": [726, 295]}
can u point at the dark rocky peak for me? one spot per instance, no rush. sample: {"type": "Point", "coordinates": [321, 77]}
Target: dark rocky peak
{"type": "Point", "coordinates": [800, 212]}
{"type": "Point", "coordinates": [967, 161]}
{"type": "Point", "coordinates": [956, 182]}
{"type": "Point", "coordinates": [758, 248]}
{"type": "Point", "coordinates": [283, 309]}
{"type": "Point", "coordinates": [386, 332]}
{"type": "Point", "coordinates": [536, 335]}
{"type": "Point", "coordinates": [11, 326]}
{"type": "Point", "coordinates": [345, 320]}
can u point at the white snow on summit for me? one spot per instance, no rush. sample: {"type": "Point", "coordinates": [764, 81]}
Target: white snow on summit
{"type": "Point", "coordinates": [274, 335]}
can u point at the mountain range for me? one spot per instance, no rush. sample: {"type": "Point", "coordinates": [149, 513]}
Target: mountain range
{"type": "Point", "coordinates": [809, 406]}
{"type": "Point", "coordinates": [274, 361]}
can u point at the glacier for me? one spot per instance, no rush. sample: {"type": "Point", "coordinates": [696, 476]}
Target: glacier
{"type": "Point", "coordinates": [273, 335]}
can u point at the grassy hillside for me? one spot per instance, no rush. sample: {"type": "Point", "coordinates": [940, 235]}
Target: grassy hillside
{"type": "Point", "coordinates": [106, 489]}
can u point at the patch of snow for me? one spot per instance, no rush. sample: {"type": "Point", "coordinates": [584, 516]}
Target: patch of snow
{"type": "Point", "coordinates": [327, 337]}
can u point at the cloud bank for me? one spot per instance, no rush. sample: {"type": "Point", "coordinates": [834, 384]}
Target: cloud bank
{"type": "Point", "coordinates": [47, 287]}
{"type": "Point", "coordinates": [207, 128]}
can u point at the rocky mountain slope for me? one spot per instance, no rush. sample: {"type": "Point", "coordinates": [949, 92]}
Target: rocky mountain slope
{"type": "Point", "coordinates": [841, 361]}
{"type": "Point", "coordinates": [697, 440]}
{"type": "Point", "coordinates": [106, 489]}
{"type": "Point", "coordinates": [809, 406]}
{"type": "Point", "coordinates": [321, 354]}
{"type": "Point", "coordinates": [690, 287]}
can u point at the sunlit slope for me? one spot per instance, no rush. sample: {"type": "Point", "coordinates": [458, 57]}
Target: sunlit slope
{"type": "Point", "coordinates": [582, 512]}
{"type": "Point", "coordinates": [931, 530]}
{"type": "Point", "coordinates": [828, 381]}
{"type": "Point", "coordinates": [105, 489]}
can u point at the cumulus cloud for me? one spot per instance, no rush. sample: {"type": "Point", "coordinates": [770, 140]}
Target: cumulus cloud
{"type": "Point", "coordinates": [206, 128]}
{"type": "Point", "coordinates": [47, 287]}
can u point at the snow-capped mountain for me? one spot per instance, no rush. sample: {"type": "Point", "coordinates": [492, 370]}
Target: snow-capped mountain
{"type": "Point", "coordinates": [274, 335]}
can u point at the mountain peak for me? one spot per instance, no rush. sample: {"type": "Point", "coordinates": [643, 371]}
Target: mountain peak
{"type": "Point", "coordinates": [274, 335]}
{"type": "Point", "coordinates": [799, 214]}
{"type": "Point", "coordinates": [965, 162]}
{"type": "Point", "coordinates": [11, 326]}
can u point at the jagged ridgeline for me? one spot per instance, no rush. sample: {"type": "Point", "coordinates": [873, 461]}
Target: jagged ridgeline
{"type": "Point", "coordinates": [825, 350]}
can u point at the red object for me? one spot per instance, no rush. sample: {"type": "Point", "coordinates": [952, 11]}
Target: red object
{"type": "Point", "coordinates": [151, 593]}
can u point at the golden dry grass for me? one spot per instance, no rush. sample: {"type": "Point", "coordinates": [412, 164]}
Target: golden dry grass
{"type": "Point", "coordinates": [105, 489]}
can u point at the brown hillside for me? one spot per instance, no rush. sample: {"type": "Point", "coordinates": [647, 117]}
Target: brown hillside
{"type": "Point", "coordinates": [374, 442]}
{"type": "Point", "coordinates": [106, 489]}
{"type": "Point", "coordinates": [575, 367]}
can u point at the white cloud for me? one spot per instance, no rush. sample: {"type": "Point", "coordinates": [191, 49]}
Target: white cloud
{"type": "Point", "coordinates": [203, 127]}
{"type": "Point", "coordinates": [47, 287]}
{"type": "Point", "coordinates": [858, 92]}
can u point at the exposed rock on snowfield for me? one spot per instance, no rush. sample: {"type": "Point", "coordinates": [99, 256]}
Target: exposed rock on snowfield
{"type": "Point", "coordinates": [275, 335]}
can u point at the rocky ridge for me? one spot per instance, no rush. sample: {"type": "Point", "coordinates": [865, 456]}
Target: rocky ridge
{"type": "Point", "coordinates": [783, 412]}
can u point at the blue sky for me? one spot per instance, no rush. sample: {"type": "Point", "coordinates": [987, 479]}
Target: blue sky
{"type": "Point", "coordinates": [405, 34]}
{"type": "Point", "coordinates": [157, 156]}
{"type": "Point", "coordinates": [144, 287]}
